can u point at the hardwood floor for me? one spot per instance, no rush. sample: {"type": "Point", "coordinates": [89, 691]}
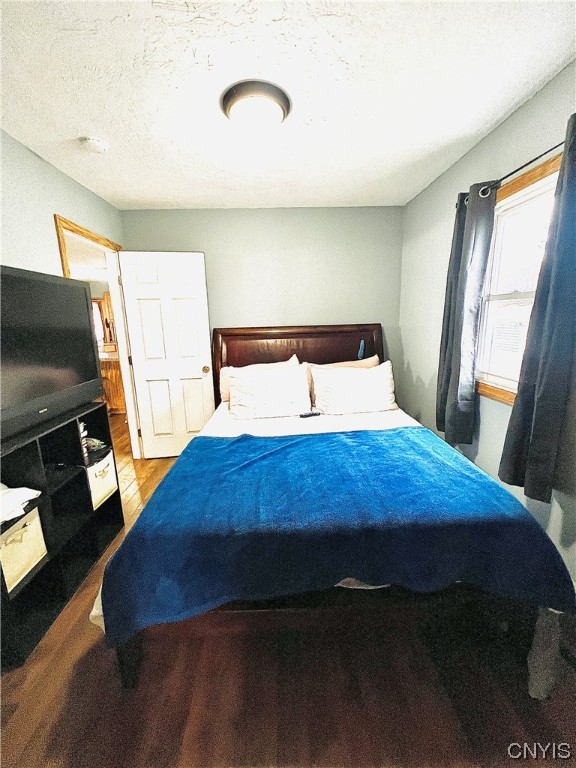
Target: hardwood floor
{"type": "Point", "coordinates": [137, 477]}
{"type": "Point", "coordinates": [378, 679]}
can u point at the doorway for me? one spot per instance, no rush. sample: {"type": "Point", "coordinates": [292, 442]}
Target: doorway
{"type": "Point", "coordinates": [86, 256]}
{"type": "Point", "coordinates": [152, 324]}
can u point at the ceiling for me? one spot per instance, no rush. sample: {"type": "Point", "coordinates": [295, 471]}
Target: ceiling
{"type": "Point", "coordinates": [385, 95]}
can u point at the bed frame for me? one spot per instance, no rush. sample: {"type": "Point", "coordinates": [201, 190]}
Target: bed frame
{"type": "Point", "coordinates": [325, 344]}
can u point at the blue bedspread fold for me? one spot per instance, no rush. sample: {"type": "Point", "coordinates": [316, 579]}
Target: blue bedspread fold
{"type": "Point", "coordinates": [255, 517]}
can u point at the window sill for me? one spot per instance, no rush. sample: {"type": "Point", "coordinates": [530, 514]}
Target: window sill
{"type": "Point", "coordinates": [495, 393]}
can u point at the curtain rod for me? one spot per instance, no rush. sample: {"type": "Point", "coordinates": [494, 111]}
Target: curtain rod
{"type": "Point", "coordinates": [485, 191]}
{"type": "Point", "coordinates": [528, 163]}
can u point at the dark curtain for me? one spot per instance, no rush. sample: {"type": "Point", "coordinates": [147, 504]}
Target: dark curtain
{"type": "Point", "coordinates": [444, 365]}
{"type": "Point", "coordinates": [456, 393]}
{"type": "Point", "coordinates": [533, 446]}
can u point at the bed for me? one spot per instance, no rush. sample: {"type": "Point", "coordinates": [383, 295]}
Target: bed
{"type": "Point", "coordinates": [279, 504]}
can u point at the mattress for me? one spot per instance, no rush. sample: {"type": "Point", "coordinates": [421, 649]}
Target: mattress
{"type": "Point", "coordinates": [223, 424]}
{"type": "Point", "coordinates": [257, 509]}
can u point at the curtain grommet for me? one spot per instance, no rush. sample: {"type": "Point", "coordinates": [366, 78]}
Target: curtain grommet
{"type": "Point", "coordinates": [485, 191]}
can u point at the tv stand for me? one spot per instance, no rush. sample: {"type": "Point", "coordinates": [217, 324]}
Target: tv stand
{"type": "Point", "coordinates": [64, 531]}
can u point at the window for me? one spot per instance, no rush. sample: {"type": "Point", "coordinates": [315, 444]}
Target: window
{"type": "Point", "coordinates": [522, 218]}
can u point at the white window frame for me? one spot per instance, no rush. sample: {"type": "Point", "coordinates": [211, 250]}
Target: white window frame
{"type": "Point", "coordinates": [513, 195]}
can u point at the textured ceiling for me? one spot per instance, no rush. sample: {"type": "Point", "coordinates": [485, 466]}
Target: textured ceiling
{"type": "Point", "coordinates": [385, 95]}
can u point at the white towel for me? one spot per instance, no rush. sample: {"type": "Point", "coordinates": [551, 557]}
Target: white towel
{"type": "Point", "coordinates": [13, 501]}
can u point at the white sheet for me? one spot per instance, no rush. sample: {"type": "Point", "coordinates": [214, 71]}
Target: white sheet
{"type": "Point", "coordinates": [223, 424]}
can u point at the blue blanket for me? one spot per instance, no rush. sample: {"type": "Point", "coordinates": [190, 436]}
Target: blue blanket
{"type": "Point", "coordinates": [254, 517]}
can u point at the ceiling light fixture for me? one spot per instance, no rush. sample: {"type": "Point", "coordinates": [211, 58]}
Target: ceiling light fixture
{"type": "Point", "coordinates": [257, 101]}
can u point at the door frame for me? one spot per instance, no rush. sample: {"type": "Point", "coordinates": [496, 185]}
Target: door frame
{"type": "Point", "coordinates": [112, 262]}
{"type": "Point", "coordinates": [122, 338]}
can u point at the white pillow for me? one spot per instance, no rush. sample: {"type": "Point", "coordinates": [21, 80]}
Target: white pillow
{"type": "Point", "coordinates": [354, 390]}
{"type": "Point", "coordinates": [265, 391]}
{"type": "Point", "coordinates": [225, 374]}
{"type": "Point", "coordinates": [365, 362]}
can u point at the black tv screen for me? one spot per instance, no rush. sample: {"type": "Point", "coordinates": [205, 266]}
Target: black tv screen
{"type": "Point", "coordinates": [49, 354]}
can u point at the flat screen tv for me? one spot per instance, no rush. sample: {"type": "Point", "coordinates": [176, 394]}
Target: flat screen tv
{"type": "Point", "coordinates": [49, 354]}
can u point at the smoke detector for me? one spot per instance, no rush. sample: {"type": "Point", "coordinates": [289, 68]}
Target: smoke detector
{"type": "Point", "coordinates": [94, 144]}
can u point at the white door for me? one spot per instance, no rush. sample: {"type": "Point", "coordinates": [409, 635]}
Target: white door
{"type": "Point", "coordinates": [168, 330]}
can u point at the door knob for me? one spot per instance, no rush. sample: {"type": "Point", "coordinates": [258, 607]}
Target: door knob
{"type": "Point", "coordinates": [205, 369]}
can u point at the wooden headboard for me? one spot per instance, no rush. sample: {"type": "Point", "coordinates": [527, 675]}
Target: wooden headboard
{"type": "Point", "coordinates": [312, 344]}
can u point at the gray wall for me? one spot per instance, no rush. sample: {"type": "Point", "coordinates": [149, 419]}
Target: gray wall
{"type": "Point", "coordinates": [427, 235]}
{"type": "Point", "coordinates": [287, 266]}
{"type": "Point", "coordinates": [32, 192]}
{"type": "Point", "coordinates": [98, 288]}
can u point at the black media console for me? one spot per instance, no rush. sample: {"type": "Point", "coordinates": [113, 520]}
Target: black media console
{"type": "Point", "coordinates": [47, 552]}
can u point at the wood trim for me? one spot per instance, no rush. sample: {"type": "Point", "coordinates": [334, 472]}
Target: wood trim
{"type": "Point", "coordinates": [113, 386]}
{"type": "Point", "coordinates": [547, 168]}
{"type": "Point", "coordinates": [65, 225]}
{"type": "Point", "coordinates": [495, 393]}
{"type": "Point", "coordinates": [108, 319]}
